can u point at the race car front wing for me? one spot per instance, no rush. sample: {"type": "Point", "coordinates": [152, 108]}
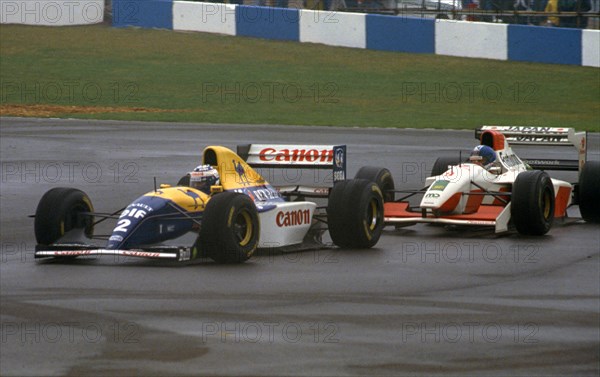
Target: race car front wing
{"type": "Point", "coordinates": [399, 213]}
{"type": "Point", "coordinates": [174, 253]}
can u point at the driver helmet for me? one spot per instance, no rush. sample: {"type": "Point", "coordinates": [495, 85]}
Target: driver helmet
{"type": "Point", "coordinates": [204, 176]}
{"type": "Point", "coordinates": [483, 155]}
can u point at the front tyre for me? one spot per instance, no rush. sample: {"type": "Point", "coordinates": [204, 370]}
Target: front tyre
{"type": "Point", "coordinates": [532, 203]}
{"type": "Point", "coordinates": [441, 164]}
{"type": "Point", "coordinates": [230, 228]}
{"type": "Point", "coordinates": [589, 191]}
{"type": "Point", "coordinates": [355, 214]}
{"type": "Point", "coordinates": [60, 210]}
{"type": "Point", "coordinates": [382, 177]}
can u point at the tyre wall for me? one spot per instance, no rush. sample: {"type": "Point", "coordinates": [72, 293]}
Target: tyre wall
{"type": "Point", "coordinates": [376, 32]}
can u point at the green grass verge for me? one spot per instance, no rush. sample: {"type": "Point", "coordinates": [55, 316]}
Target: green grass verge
{"type": "Point", "coordinates": [213, 78]}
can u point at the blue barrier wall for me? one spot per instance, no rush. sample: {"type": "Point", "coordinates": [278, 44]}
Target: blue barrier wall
{"type": "Point", "coordinates": [544, 45]}
{"type": "Point", "coordinates": [269, 23]}
{"type": "Point", "coordinates": [376, 32]}
{"type": "Point", "coordinates": [143, 13]}
{"type": "Point", "coordinates": [402, 34]}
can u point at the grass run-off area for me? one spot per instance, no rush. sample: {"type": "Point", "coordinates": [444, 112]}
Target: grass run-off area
{"type": "Point", "coordinates": [132, 74]}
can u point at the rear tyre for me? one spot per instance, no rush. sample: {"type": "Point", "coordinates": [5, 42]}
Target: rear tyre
{"type": "Point", "coordinates": [355, 214]}
{"type": "Point", "coordinates": [589, 191]}
{"type": "Point", "coordinates": [60, 210]}
{"type": "Point", "coordinates": [230, 228]}
{"type": "Point", "coordinates": [532, 203]}
{"type": "Point", "coordinates": [382, 177]}
{"type": "Point", "coordinates": [440, 166]}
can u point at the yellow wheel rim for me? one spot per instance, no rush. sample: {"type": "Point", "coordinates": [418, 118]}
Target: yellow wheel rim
{"type": "Point", "coordinates": [547, 204]}
{"type": "Point", "coordinates": [243, 228]}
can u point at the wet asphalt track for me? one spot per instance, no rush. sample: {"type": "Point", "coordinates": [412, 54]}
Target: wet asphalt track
{"type": "Point", "coordinates": [425, 301]}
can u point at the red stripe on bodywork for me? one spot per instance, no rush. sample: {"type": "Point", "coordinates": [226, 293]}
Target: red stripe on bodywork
{"type": "Point", "coordinates": [497, 201]}
{"type": "Point", "coordinates": [451, 203]}
{"type": "Point", "coordinates": [473, 202]}
{"type": "Point", "coordinates": [560, 203]}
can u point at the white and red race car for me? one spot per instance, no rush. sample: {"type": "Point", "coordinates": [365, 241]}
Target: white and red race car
{"type": "Point", "coordinates": [509, 193]}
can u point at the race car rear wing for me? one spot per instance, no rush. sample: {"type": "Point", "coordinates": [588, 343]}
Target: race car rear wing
{"type": "Point", "coordinates": [545, 136]}
{"type": "Point", "coordinates": [296, 156]}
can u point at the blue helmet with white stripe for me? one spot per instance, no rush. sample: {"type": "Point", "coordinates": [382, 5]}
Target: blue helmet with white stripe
{"type": "Point", "coordinates": [482, 154]}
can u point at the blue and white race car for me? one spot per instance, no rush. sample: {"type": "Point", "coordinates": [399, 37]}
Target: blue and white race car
{"type": "Point", "coordinates": [239, 214]}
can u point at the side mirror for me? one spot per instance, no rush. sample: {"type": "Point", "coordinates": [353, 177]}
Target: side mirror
{"type": "Point", "coordinates": [216, 189]}
{"type": "Point", "coordinates": [164, 185]}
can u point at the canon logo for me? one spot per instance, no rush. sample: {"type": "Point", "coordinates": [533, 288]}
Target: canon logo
{"type": "Point", "coordinates": [293, 218]}
{"type": "Point", "coordinates": [296, 155]}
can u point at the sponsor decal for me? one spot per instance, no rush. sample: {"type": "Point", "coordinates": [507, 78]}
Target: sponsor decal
{"type": "Point", "coordinates": [526, 134]}
{"type": "Point", "coordinates": [339, 158]}
{"type": "Point", "coordinates": [543, 162]}
{"type": "Point", "coordinates": [116, 238]}
{"type": "Point", "coordinates": [260, 194]}
{"type": "Point", "coordinates": [538, 139]}
{"type": "Point", "coordinates": [534, 129]}
{"type": "Point", "coordinates": [528, 129]}
{"type": "Point", "coordinates": [143, 206]}
{"type": "Point", "coordinates": [140, 254]}
{"type": "Point", "coordinates": [292, 218]}
{"type": "Point", "coordinates": [296, 155]}
{"type": "Point", "coordinates": [510, 160]}
{"type": "Point", "coordinates": [73, 252]}
{"type": "Point", "coordinates": [194, 196]}
{"type": "Point", "coordinates": [339, 165]}
{"type": "Point", "coordinates": [133, 211]}
{"type": "Point", "coordinates": [432, 195]}
{"type": "Point", "coordinates": [239, 169]}
{"type": "Point", "coordinates": [338, 176]}
{"type": "Point", "coordinates": [439, 185]}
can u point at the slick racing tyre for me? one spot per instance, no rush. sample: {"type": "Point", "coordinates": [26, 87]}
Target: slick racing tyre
{"type": "Point", "coordinates": [382, 177]}
{"type": "Point", "coordinates": [589, 192]}
{"type": "Point", "coordinates": [355, 214]}
{"type": "Point", "coordinates": [440, 166]}
{"type": "Point", "coordinates": [532, 203]}
{"type": "Point", "coordinates": [230, 228]}
{"type": "Point", "coordinates": [61, 210]}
